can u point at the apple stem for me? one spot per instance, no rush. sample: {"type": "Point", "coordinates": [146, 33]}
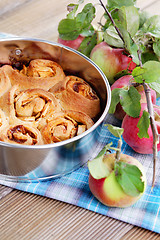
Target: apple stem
{"type": "Point", "coordinates": [118, 152]}
{"type": "Point", "coordinates": [153, 127]}
{"type": "Point", "coordinates": [110, 17]}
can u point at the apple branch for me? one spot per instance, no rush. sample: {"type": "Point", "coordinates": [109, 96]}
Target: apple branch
{"type": "Point", "coordinates": [110, 17]}
{"type": "Point", "coordinates": [149, 104]}
{"type": "Point", "coordinates": [152, 121]}
{"type": "Point", "coordinates": [153, 127]}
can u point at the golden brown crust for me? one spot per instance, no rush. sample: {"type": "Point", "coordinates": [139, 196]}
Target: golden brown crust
{"type": "Point", "coordinates": [80, 117]}
{"type": "Point", "coordinates": [65, 126]}
{"type": "Point", "coordinates": [27, 105]}
{"type": "Point", "coordinates": [5, 83]}
{"type": "Point", "coordinates": [40, 73]}
{"type": "Point", "coordinates": [21, 134]}
{"type": "Point", "coordinates": [3, 120]}
{"type": "Point", "coordinates": [74, 93]}
{"type": "Point", "coordinates": [31, 106]}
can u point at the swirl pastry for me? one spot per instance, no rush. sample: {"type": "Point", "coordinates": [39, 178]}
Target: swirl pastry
{"type": "Point", "coordinates": [40, 73]}
{"type": "Point", "coordinates": [21, 134]}
{"type": "Point", "coordinates": [31, 106]}
{"type": "Point", "coordinates": [5, 83]}
{"type": "Point", "coordinates": [74, 93]}
{"type": "Point", "coordinates": [65, 126]}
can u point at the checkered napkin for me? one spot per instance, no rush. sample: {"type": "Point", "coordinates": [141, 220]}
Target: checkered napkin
{"type": "Point", "coordinates": [73, 188]}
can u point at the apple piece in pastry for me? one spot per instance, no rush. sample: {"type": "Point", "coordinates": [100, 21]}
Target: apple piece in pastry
{"type": "Point", "coordinates": [40, 73]}
{"type": "Point", "coordinates": [21, 134]}
{"type": "Point", "coordinates": [5, 83]}
{"type": "Point", "coordinates": [75, 93]}
{"type": "Point", "coordinates": [65, 126]}
{"type": "Point", "coordinates": [31, 106]}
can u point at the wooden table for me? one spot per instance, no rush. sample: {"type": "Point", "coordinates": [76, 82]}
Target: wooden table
{"type": "Point", "coordinates": [28, 216]}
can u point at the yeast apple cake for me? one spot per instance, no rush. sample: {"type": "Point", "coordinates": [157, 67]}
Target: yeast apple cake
{"type": "Point", "coordinates": [40, 104]}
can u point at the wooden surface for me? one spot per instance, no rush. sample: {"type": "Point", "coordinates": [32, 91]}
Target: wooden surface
{"type": "Point", "coordinates": [28, 216]}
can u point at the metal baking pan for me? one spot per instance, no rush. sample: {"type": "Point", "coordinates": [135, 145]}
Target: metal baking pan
{"type": "Point", "coordinates": [40, 162]}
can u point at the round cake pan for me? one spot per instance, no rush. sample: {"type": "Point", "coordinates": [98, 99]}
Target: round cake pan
{"type": "Point", "coordinates": [40, 162]}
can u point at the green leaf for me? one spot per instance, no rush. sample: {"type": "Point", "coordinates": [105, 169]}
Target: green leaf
{"type": "Point", "coordinates": [114, 99]}
{"type": "Point", "coordinates": [127, 39]}
{"type": "Point", "coordinates": [130, 101]}
{"type": "Point", "coordinates": [129, 178]}
{"type": "Point", "coordinates": [97, 168]}
{"type": "Point", "coordinates": [155, 86]}
{"type": "Point", "coordinates": [128, 24]}
{"type": "Point", "coordinates": [114, 14]}
{"type": "Point", "coordinates": [87, 32]}
{"type": "Point", "coordinates": [134, 53]}
{"type": "Point", "coordinates": [129, 19]}
{"type": "Point", "coordinates": [68, 29]}
{"type": "Point", "coordinates": [72, 8]}
{"type": "Point", "coordinates": [152, 26]}
{"type": "Point", "coordinates": [143, 125]}
{"type": "Point", "coordinates": [112, 38]}
{"type": "Point", "coordinates": [118, 3]}
{"type": "Point", "coordinates": [71, 27]}
{"type": "Point", "coordinates": [87, 44]}
{"type": "Point", "coordinates": [137, 73]}
{"type": "Point", "coordinates": [85, 17]}
{"type": "Point", "coordinates": [143, 18]}
{"type": "Point", "coordinates": [152, 71]}
{"type": "Point", "coordinates": [148, 56]}
{"type": "Point", "coordinates": [156, 47]}
{"type": "Point", "coordinates": [125, 34]}
{"type": "Point", "coordinates": [116, 131]}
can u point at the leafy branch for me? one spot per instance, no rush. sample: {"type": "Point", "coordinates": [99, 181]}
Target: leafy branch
{"type": "Point", "coordinates": [138, 34]}
{"type": "Point", "coordinates": [110, 17]}
{"type": "Point", "coordinates": [124, 37]}
{"type": "Point", "coordinates": [153, 127]}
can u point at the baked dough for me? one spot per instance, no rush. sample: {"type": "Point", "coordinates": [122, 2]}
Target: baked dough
{"type": "Point", "coordinates": [74, 93]}
{"type": "Point", "coordinates": [30, 106]}
{"type": "Point", "coordinates": [21, 134]}
{"type": "Point", "coordinates": [40, 73]}
{"type": "Point", "coordinates": [65, 125]}
{"type": "Point", "coordinates": [40, 105]}
{"type": "Point", "coordinates": [3, 120]}
{"type": "Point", "coordinates": [5, 83]}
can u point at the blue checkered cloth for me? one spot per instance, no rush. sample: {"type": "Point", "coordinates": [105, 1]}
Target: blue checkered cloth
{"type": "Point", "coordinates": [73, 188]}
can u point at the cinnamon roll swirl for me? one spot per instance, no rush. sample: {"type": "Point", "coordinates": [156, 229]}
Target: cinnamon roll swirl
{"type": "Point", "coordinates": [31, 106]}
{"type": "Point", "coordinates": [74, 93]}
{"type": "Point", "coordinates": [21, 134]}
{"type": "Point", "coordinates": [65, 126]}
{"type": "Point", "coordinates": [40, 73]}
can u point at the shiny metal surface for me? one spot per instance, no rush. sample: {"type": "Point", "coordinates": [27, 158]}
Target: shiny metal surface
{"type": "Point", "coordinates": [19, 162]}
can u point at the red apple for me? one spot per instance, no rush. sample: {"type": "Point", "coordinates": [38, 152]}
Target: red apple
{"type": "Point", "coordinates": [111, 60]}
{"type": "Point", "coordinates": [130, 134]}
{"type": "Point", "coordinates": [124, 82]}
{"type": "Point", "coordinates": [107, 190]}
{"type": "Point", "coordinates": [72, 43]}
